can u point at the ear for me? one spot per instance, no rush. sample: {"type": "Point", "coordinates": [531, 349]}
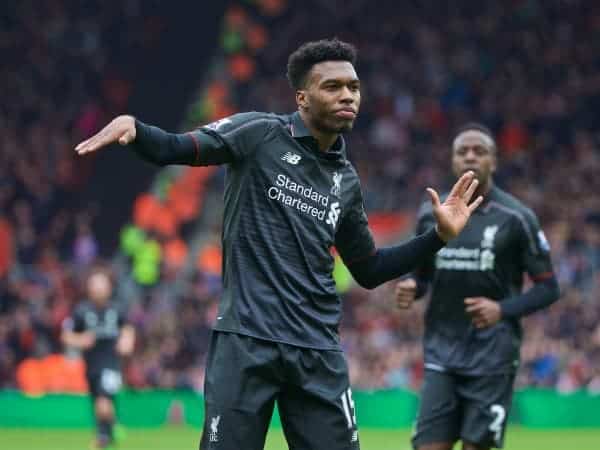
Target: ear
{"type": "Point", "coordinates": [302, 99]}
{"type": "Point", "coordinates": [494, 161]}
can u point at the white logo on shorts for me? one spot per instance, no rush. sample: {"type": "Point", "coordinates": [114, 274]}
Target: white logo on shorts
{"type": "Point", "coordinates": [214, 429]}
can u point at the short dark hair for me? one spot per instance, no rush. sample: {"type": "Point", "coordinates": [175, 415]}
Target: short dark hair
{"type": "Point", "coordinates": [304, 58]}
{"type": "Point", "coordinates": [475, 126]}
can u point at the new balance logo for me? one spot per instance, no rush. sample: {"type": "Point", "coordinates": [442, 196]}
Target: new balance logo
{"type": "Point", "coordinates": [292, 158]}
{"type": "Point", "coordinates": [334, 214]}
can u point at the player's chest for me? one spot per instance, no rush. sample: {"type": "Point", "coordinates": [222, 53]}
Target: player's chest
{"type": "Point", "coordinates": [103, 323]}
{"type": "Point", "coordinates": [486, 240]}
{"type": "Point", "coordinates": [306, 187]}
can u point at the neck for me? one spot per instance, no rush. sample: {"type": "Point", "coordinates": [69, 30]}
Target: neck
{"type": "Point", "coordinates": [324, 139]}
{"type": "Point", "coordinates": [484, 188]}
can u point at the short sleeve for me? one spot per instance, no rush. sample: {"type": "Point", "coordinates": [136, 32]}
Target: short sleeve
{"type": "Point", "coordinates": [242, 133]}
{"type": "Point", "coordinates": [534, 248]}
{"type": "Point", "coordinates": [353, 239]}
{"type": "Point", "coordinates": [74, 323]}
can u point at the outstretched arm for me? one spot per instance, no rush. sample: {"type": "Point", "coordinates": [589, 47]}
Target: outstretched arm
{"type": "Point", "coordinates": [198, 148]}
{"type": "Point", "coordinates": [451, 217]}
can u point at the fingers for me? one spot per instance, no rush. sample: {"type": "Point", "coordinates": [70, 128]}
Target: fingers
{"type": "Point", "coordinates": [404, 302]}
{"type": "Point", "coordinates": [407, 283]}
{"type": "Point", "coordinates": [474, 205]}
{"type": "Point", "coordinates": [472, 309]}
{"type": "Point", "coordinates": [474, 305]}
{"type": "Point", "coordinates": [121, 129]}
{"type": "Point", "coordinates": [405, 292]}
{"type": "Point", "coordinates": [126, 138]}
{"type": "Point", "coordinates": [470, 190]}
{"type": "Point", "coordinates": [435, 198]}
{"type": "Point", "coordinates": [460, 186]}
{"type": "Point", "coordinates": [100, 139]}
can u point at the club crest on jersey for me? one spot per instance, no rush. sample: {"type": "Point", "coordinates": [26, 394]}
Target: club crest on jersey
{"type": "Point", "coordinates": [337, 184]}
{"type": "Point", "coordinates": [489, 234]}
{"type": "Point", "coordinates": [214, 429]}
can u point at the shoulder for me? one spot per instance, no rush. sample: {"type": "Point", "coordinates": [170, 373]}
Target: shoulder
{"type": "Point", "coordinates": [512, 205]}
{"type": "Point", "coordinates": [81, 309]}
{"type": "Point", "coordinates": [349, 171]}
{"type": "Point", "coordinates": [347, 175]}
{"type": "Point", "coordinates": [246, 120]}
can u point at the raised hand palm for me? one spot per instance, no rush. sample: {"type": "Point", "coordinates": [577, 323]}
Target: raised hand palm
{"type": "Point", "coordinates": [452, 215]}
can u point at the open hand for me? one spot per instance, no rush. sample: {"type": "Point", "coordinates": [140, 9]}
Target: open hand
{"type": "Point", "coordinates": [121, 129]}
{"type": "Point", "coordinates": [484, 312]}
{"type": "Point", "coordinates": [452, 215]}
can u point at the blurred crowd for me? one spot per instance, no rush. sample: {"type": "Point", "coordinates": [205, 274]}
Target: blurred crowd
{"type": "Point", "coordinates": [63, 75]}
{"type": "Point", "coordinates": [530, 71]}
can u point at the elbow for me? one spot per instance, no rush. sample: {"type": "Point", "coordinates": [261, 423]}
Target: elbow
{"type": "Point", "coordinates": [551, 290]}
{"type": "Point", "coordinates": [554, 289]}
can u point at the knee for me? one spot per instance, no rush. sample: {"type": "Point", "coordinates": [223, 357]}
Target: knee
{"type": "Point", "coordinates": [104, 407]}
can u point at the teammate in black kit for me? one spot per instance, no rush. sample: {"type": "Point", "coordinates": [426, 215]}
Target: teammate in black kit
{"type": "Point", "coordinates": [472, 331]}
{"type": "Point", "coordinates": [290, 196]}
{"type": "Point", "coordinates": [98, 328]}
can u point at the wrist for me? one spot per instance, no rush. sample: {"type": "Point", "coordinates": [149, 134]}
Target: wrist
{"type": "Point", "coordinates": [441, 235]}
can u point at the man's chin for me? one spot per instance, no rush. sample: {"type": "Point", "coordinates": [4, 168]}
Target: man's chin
{"type": "Point", "coordinates": [345, 128]}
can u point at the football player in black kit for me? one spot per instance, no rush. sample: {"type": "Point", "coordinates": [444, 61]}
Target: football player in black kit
{"type": "Point", "coordinates": [472, 331]}
{"type": "Point", "coordinates": [290, 195]}
{"type": "Point", "coordinates": [99, 329]}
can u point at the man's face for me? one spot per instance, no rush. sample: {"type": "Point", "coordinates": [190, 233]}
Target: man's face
{"type": "Point", "coordinates": [331, 97]}
{"type": "Point", "coordinates": [474, 150]}
{"type": "Point", "coordinates": [99, 287]}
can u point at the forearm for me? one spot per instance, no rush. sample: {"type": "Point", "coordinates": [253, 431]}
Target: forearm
{"type": "Point", "coordinates": [392, 262]}
{"type": "Point", "coordinates": [540, 296]}
{"type": "Point", "coordinates": [72, 339]}
{"type": "Point", "coordinates": [126, 342]}
{"type": "Point", "coordinates": [195, 148]}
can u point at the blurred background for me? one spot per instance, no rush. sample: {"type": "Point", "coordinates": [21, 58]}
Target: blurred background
{"type": "Point", "coordinates": [529, 69]}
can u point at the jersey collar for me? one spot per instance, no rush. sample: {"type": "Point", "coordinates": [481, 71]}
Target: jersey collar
{"type": "Point", "coordinates": [489, 197]}
{"type": "Point", "coordinates": [300, 132]}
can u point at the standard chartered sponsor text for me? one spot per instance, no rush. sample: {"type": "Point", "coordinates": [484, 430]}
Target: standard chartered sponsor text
{"type": "Point", "coordinates": [283, 188]}
{"type": "Point", "coordinates": [465, 259]}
